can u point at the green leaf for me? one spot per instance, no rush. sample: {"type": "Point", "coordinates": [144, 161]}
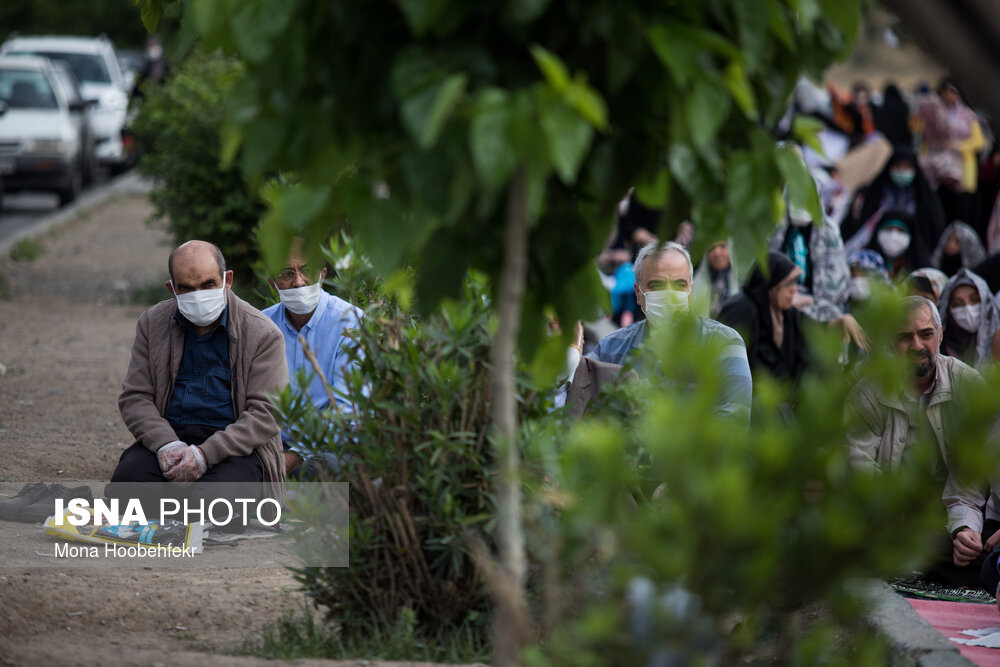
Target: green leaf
{"type": "Point", "coordinates": [568, 136]}
{"type": "Point", "coordinates": [707, 107]}
{"type": "Point", "coordinates": [489, 139]}
{"type": "Point", "coordinates": [805, 130]}
{"type": "Point", "coordinates": [150, 11]}
{"type": "Point", "coordinates": [779, 23]}
{"type": "Point", "coordinates": [426, 113]}
{"type": "Point", "coordinates": [675, 49]}
{"type": "Point", "coordinates": [422, 15]}
{"type": "Point", "coordinates": [686, 170]}
{"type": "Point", "coordinates": [801, 187]}
{"type": "Point", "coordinates": [552, 67]}
{"type": "Point", "coordinates": [754, 35]}
{"type": "Point", "coordinates": [845, 16]}
{"type": "Point", "coordinates": [588, 102]}
{"type": "Point", "coordinates": [736, 80]}
{"type": "Point", "coordinates": [655, 193]}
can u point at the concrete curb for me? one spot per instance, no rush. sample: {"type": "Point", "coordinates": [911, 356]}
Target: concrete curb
{"type": "Point", "coordinates": [914, 641]}
{"type": "Point", "coordinates": [128, 183]}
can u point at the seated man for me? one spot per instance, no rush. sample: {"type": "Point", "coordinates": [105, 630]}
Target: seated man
{"type": "Point", "coordinates": [886, 425]}
{"type": "Point", "coordinates": [663, 288]}
{"type": "Point", "coordinates": [583, 379]}
{"type": "Point", "coordinates": [195, 395]}
{"type": "Point", "coordinates": [309, 313]}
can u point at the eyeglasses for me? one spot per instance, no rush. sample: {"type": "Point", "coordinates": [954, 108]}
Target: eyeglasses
{"type": "Point", "coordinates": [288, 275]}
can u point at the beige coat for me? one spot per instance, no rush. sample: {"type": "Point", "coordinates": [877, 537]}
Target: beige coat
{"type": "Point", "coordinates": [257, 359]}
{"type": "Point", "coordinates": [878, 440]}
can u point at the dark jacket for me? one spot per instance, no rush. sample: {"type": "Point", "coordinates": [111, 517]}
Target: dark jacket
{"type": "Point", "coordinates": [928, 216]}
{"type": "Point", "coordinates": [750, 314]}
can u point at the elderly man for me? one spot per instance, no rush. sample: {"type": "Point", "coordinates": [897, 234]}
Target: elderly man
{"type": "Point", "coordinates": [663, 277]}
{"type": "Point", "coordinates": [308, 313]}
{"type": "Point", "coordinates": [884, 426]}
{"type": "Point", "coordinates": [195, 395]}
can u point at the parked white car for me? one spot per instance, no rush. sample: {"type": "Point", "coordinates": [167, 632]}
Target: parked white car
{"type": "Point", "coordinates": [96, 67]}
{"type": "Point", "coordinates": [43, 131]}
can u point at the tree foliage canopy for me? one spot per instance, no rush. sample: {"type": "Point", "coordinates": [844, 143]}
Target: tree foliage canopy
{"type": "Point", "coordinates": [408, 119]}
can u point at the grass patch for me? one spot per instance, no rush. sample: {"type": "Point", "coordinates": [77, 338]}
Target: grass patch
{"type": "Point", "coordinates": [26, 250]}
{"type": "Point", "coordinates": [305, 635]}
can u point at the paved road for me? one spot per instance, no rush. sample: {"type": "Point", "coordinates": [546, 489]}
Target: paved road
{"type": "Point", "coordinates": [21, 210]}
{"type": "Point", "coordinates": [27, 214]}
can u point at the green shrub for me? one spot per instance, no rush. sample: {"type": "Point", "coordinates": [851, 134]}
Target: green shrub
{"type": "Point", "coordinates": [752, 525]}
{"type": "Point", "coordinates": [179, 127]}
{"type": "Point", "coordinates": [420, 470]}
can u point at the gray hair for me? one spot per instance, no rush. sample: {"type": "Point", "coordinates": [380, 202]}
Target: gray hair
{"type": "Point", "coordinates": [656, 248]}
{"type": "Point", "coordinates": [915, 303]}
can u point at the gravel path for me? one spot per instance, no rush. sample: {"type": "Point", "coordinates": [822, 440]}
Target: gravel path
{"type": "Point", "coordinates": [66, 326]}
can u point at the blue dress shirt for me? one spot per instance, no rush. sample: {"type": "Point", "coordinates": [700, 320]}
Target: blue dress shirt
{"type": "Point", "coordinates": [324, 334]}
{"type": "Point", "coordinates": [737, 385]}
{"type": "Point", "coordinates": [203, 390]}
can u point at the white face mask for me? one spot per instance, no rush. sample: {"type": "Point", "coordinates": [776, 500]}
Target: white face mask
{"type": "Point", "coordinates": [894, 241]}
{"type": "Point", "coordinates": [967, 317]}
{"type": "Point", "coordinates": [664, 305]}
{"type": "Point", "coordinates": [301, 300]}
{"type": "Point", "coordinates": [201, 307]}
{"type": "Point", "coordinates": [860, 289]}
{"type": "Point", "coordinates": [573, 357]}
{"type": "Point", "coordinates": [799, 216]}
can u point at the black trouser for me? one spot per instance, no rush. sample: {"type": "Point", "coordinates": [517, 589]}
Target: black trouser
{"type": "Point", "coordinates": [138, 467]}
{"type": "Point", "coordinates": [945, 571]}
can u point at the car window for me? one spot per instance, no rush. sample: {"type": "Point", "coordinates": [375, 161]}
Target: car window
{"type": "Point", "coordinates": [67, 84]}
{"type": "Point", "coordinates": [26, 89]}
{"type": "Point", "coordinates": [88, 68]}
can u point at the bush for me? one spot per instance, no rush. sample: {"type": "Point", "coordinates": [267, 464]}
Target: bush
{"type": "Point", "coordinates": [179, 127]}
{"type": "Point", "coordinates": [420, 470]}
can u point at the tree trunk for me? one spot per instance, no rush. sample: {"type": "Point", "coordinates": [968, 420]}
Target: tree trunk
{"type": "Point", "coordinates": [509, 622]}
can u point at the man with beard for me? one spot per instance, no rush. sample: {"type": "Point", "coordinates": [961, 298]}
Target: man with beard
{"type": "Point", "coordinates": [884, 427]}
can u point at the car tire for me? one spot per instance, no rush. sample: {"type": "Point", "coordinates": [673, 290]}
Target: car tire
{"type": "Point", "coordinates": [69, 194]}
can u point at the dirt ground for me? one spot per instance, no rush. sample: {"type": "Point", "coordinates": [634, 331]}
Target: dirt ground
{"type": "Point", "coordinates": [66, 328]}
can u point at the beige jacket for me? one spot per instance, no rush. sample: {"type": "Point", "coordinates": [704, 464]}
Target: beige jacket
{"type": "Point", "coordinates": [257, 359]}
{"type": "Point", "coordinates": [880, 437]}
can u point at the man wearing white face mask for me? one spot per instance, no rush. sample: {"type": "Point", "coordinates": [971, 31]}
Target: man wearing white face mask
{"type": "Point", "coordinates": [663, 288]}
{"type": "Point", "coordinates": [309, 313]}
{"type": "Point", "coordinates": [195, 395]}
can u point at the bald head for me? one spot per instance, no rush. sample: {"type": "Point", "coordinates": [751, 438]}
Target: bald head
{"type": "Point", "coordinates": [197, 252]}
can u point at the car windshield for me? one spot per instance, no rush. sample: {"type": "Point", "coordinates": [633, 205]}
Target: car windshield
{"type": "Point", "coordinates": [88, 68]}
{"type": "Point", "coordinates": [26, 89]}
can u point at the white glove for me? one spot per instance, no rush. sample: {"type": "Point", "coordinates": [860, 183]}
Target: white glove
{"type": "Point", "coordinates": [189, 468]}
{"type": "Point", "coordinates": [169, 454]}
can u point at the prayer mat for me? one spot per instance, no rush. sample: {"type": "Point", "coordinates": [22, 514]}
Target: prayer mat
{"type": "Point", "coordinates": [963, 622]}
{"type": "Point", "coordinates": [917, 586]}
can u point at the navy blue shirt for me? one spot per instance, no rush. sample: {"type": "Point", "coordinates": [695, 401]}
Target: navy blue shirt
{"type": "Point", "coordinates": [203, 390]}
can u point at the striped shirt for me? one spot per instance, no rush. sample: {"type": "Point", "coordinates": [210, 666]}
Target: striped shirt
{"type": "Point", "coordinates": [625, 346]}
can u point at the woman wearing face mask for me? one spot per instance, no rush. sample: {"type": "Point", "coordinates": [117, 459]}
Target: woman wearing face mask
{"type": "Point", "coordinates": [901, 186]}
{"type": "Point", "coordinates": [970, 319]}
{"type": "Point", "coordinates": [959, 247]}
{"type": "Point", "coordinates": [770, 325]}
{"type": "Point", "coordinates": [902, 251]}
{"type": "Point", "coordinates": [867, 267]}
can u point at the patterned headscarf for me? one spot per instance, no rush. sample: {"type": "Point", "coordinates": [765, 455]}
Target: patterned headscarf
{"type": "Point", "coordinates": [870, 262]}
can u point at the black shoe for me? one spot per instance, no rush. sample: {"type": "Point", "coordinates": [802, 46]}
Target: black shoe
{"type": "Point", "coordinates": [10, 510]}
{"type": "Point", "coordinates": [45, 506]}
